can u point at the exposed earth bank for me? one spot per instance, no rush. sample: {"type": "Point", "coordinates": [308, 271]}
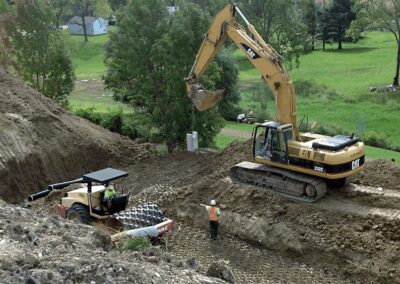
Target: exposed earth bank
{"type": "Point", "coordinates": [41, 142]}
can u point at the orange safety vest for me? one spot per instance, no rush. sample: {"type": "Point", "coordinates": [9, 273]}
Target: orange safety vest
{"type": "Point", "coordinates": [213, 214]}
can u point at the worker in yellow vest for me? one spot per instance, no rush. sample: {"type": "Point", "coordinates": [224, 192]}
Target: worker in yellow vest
{"type": "Point", "coordinates": [214, 214]}
{"type": "Point", "coordinates": [109, 194]}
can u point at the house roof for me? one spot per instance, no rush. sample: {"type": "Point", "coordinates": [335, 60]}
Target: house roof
{"type": "Point", "coordinates": [78, 20]}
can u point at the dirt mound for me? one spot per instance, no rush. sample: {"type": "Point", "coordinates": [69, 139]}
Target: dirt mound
{"type": "Point", "coordinates": [42, 143]}
{"type": "Point", "coordinates": [36, 248]}
{"type": "Point", "coordinates": [236, 152]}
{"type": "Point", "coordinates": [380, 173]}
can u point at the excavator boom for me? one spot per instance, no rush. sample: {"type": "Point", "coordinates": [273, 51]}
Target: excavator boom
{"type": "Point", "coordinates": [260, 54]}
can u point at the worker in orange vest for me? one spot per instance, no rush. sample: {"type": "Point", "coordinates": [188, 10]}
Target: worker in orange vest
{"type": "Point", "coordinates": [213, 213]}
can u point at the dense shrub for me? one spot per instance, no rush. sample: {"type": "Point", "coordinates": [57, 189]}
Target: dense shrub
{"type": "Point", "coordinates": [113, 120]}
{"type": "Point", "coordinates": [261, 115]}
{"type": "Point", "coordinates": [308, 88]}
{"type": "Point", "coordinates": [89, 114]}
{"type": "Point", "coordinates": [315, 127]}
{"type": "Point", "coordinates": [376, 139]}
{"type": "Point", "coordinates": [370, 138]}
{"type": "Point", "coordinates": [232, 113]}
{"type": "Point", "coordinates": [132, 125]}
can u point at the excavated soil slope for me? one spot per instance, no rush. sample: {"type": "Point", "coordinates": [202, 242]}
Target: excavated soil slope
{"type": "Point", "coordinates": [41, 142]}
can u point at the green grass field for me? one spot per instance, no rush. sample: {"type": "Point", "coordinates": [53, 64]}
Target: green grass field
{"type": "Point", "coordinates": [91, 94]}
{"type": "Point", "coordinates": [223, 140]}
{"type": "Point", "coordinates": [377, 153]}
{"type": "Point", "coordinates": [349, 73]}
{"type": "Point", "coordinates": [88, 58]}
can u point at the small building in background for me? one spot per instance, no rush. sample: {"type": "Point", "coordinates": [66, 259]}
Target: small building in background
{"type": "Point", "coordinates": [172, 9]}
{"type": "Point", "coordinates": [94, 26]}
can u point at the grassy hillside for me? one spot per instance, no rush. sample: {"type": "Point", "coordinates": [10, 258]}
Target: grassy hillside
{"type": "Point", "coordinates": [88, 58]}
{"type": "Point", "coordinates": [91, 94]}
{"type": "Point", "coordinates": [348, 74]}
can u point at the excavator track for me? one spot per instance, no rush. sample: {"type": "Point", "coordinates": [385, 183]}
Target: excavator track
{"type": "Point", "coordinates": [289, 184]}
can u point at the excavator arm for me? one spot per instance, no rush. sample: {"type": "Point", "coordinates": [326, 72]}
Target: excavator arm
{"type": "Point", "coordinates": [261, 55]}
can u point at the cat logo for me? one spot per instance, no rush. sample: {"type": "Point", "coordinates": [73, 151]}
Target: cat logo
{"type": "Point", "coordinates": [306, 154]}
{"type": "Point", "coordinates": [250, 52]}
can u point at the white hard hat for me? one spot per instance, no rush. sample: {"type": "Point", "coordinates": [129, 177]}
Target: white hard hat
{"type": "Point", "coordinates": [212, 202]}
{"type": "Point", "coordinates": [110, 186]}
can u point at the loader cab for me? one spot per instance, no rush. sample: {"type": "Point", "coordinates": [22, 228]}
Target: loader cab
{"type": "Point", "coordinates": [270, 141]}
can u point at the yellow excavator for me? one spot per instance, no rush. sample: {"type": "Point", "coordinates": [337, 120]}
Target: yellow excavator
{"type": "Point", "coordinates": [300, 166]}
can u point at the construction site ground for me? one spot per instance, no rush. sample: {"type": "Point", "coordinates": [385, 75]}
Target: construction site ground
{"type": "Point", "coordinates": [350, 236]}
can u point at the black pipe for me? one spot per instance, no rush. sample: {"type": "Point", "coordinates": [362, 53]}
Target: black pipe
{"type": "Point", "coordinates": [39, 194]}
{"type": "Point", "coordinates": [61, 185]}
{"type": "Point", "coordinates": [52, 187]}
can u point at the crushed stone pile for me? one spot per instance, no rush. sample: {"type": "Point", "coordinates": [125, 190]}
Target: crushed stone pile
{"type": "Point", "coordinates": [38, 248]}
{"type": "Point", "coordinates": [42, 143]}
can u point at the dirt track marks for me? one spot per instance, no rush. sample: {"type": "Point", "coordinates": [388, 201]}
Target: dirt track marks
{"type": "Point", "coordinates": [251, 264]}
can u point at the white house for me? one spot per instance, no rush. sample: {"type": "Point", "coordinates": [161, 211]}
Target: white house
{"type": "Point", "coordinates": [94, 26]}
{"type": "Point", "coordinates": [172, 9]}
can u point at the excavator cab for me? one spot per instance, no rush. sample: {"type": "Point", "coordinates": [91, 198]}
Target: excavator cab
{"type": "Point", "coordinates": [270, 141]}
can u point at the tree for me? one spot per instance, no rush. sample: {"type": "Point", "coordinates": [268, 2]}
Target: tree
{"type": "Point", "coordinates": [147, 59]}
{"type": "Point", "coordinates": [280, 23]}
{"type": "Point", "coordinates": [322, 18]}
{"type": "Point", "coordinates": [310, 18]}
{"type": "Point", "coordinates": [382, 15]}
{"type": "Point", "coordinates": [102, 9]}
{"type": "Point", "coordinates": [227, 79]}
{"type": "Point", "coordinates": [211, 6]}
{"type": "Point", "coordinates": [117, 4]}
{"type": "Point", "coordinates": [40, 57]}
{"type": "Point", "coordinates": [59, 8]}
{"type": "Point", "coordinates": [59, 82]}
{"type": "Point", "coordinates": [83, 8]}
{"type": "Point", "coordinates": [340, 16]}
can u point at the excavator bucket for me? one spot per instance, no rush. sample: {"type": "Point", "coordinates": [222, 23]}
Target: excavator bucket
{"type": "Point", "coordinates": [204, 99]}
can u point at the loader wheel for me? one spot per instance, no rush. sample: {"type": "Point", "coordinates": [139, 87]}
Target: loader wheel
{"type": "Point", "coordinates": [79, 213]}
{"type": "Point", "coordinates": [311, 191]}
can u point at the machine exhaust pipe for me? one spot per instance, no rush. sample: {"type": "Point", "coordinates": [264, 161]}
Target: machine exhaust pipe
{"type": "Point", "coordinates": [38, 195]}
{"type": "Point", "coordinates": [52, 187]}
{"type": "Point", "coordinates": [61, 185]}
{"type": "Point", "coordinates": [202, 98]}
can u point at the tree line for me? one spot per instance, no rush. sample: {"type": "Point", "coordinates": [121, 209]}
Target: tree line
{"type": "Point", "coordinates": [152, 49]}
